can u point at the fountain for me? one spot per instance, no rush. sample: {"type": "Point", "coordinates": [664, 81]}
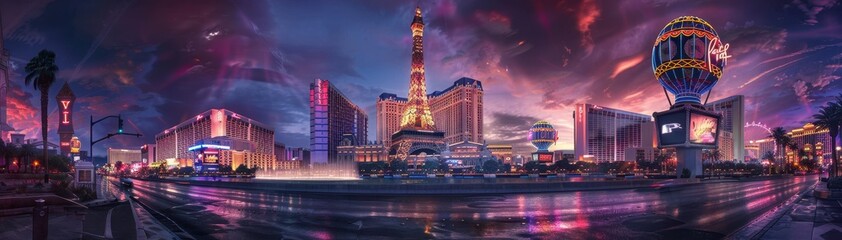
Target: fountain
{"type": "Point", "coordinates": [333, 171]}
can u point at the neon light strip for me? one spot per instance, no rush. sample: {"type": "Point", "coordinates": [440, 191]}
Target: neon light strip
{"type": "Point", "coordinates": [208, 146]}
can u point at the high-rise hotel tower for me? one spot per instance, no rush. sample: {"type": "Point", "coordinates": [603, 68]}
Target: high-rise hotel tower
{"type": "Point", "coordinates": [333, 115]}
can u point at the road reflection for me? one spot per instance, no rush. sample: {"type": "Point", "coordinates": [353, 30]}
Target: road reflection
{"type": "Point", "coordinates": [715, 209]}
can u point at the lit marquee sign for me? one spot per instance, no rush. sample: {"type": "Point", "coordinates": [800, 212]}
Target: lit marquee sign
{"type": "Point", "coordinates": [75, 145]}
{"type": "Point", "coordinates": [543, 157]}
{"type": "Point", "coordinates": [212, 146]}
{"type": "Point", "coordinates": [672, 128]}
{"type": "Point", "coordinates": [65, 112]}
{"type": "Point", "coordinates": [687, 127]}
{"type": "Point", "coordinates": [703, 129]}
{"type": "Point", "coordinates": [65, 100]}
{"type": "Point", "coordinates": [718, 51]}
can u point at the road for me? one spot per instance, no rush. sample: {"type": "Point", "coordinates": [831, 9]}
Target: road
{"type": "Point", "coordinates": [702, 211]}
{"type": "Point", "coordinates": [112, 221]}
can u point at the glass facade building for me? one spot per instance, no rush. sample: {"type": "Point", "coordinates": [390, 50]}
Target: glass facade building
{"type": "Point", "coordinates": [732, 133]}
{"type": "Point", "coordinates": [333, 115]}
{"type": "Point", "coordinates": [605, 134]}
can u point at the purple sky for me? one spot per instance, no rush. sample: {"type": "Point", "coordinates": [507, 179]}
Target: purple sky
{"type": "Point", "coordinates": [161, 62]}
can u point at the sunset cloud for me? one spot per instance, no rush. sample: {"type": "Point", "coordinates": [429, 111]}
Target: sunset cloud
{"type": "Point", "coordinates": [159, 65]}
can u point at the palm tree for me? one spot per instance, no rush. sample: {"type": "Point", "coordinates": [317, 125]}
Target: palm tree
{"type": "Point", "coordinates": [779, 135]}
{"type": "Point", "coordinates": [6, 161]}
{"type": "Point", "coordinates": [12, 152]}
{"type": "Point", "coordinates": [793, 146]}
{"type": "Point", "coordinates": [26, 152]}
{"type": "Point", "coordinates": [41, 73]}
{"type": "Point", "coordinates": [830, 117]}
{"type": "Point", "coordinates": [787, 139]}
{"type": "Point", "coordinates": [716, 155]}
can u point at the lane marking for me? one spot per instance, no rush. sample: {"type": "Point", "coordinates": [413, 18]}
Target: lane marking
{"type": "Point", "coordinates": [108, 233]}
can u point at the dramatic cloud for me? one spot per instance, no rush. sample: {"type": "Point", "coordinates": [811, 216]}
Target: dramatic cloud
{"type": "Point", "coordinates": [161, 62]}
{"type": "Point", "coordinates": [511, 129]}
{"type": "Point", "coordinates": [812, 8]}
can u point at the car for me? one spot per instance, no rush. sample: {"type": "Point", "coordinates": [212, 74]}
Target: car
{"type": "Point", "coordinates": [800, 173]}
{"type": "Point", "coordinates": [126, 182]}
{"type": "Point", "coordinates": [668, 185]}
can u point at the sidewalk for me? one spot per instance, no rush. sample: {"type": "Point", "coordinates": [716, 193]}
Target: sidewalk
{"type": "Point", "coordinates": [111, 216]}
{"type": "Point", "coordinates": [65, 216]}
{"type": "Point", "coordinates": [145, 225]}
{"type": "Point", "coordinates": [809, 218]}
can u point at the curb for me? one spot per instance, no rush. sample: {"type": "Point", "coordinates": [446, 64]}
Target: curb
{"type": "Point", "coordinates": [154, 227]}
{"type": "Point", "coordinates": [138, 225]}
{"type": "Point", "coordinates": [99, 202]}
{"type": "Point", "coordinates": [768, 219]}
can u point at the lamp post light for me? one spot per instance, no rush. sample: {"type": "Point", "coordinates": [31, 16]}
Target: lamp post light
{"type": "Point", "coordinates": [838, 149]}
{"type": "Point", "coordinates": [765, 164]}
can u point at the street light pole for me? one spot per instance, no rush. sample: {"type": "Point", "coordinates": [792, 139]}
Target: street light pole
{"type": "Point", "coordinates": [92, 142]}
{"type": "Point", "coordinates": [834, 163]}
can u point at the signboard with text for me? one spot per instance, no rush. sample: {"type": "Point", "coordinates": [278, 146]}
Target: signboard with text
{"type": "Point", "coordinates": [703, 129]}
{"type": "Point", "coordinates": [543, 157]}
{"type": "Point", "coordinates": [672, 128]}
{"type": "Point", "coordinates": [687, 127]}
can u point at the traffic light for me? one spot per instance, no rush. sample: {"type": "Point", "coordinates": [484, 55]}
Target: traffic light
{"type": "Point", "coordinates": [119, 125]}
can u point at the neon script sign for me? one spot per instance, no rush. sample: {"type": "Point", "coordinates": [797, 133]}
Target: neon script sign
{"type": "Point", "coordinates": [65, 113]}
{"type": "Point", "coordinates": [718, 51]}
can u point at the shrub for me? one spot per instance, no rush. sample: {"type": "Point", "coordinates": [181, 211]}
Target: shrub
{"type": "Point", "coordinates": [834, 183]}
{"type": "Point", "coordinates": [84, 194]}
{"type": "Point", "coordinates": [685, 173]}
{"type": "Point", "coordinates": [20, 189]}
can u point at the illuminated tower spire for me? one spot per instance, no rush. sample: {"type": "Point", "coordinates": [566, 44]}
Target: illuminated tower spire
{"type": "Point", "coordinates": [65, 100]}
{"type": "Point", "coordinates": [4, 85]}
{"type": "Point", "coordinates": [417, 113]}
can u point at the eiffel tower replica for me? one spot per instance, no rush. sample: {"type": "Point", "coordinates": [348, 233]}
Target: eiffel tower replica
{"type": "Point", "coordinates": [5, 129]}
{"type": "Point", "coordinates": [418, 135]}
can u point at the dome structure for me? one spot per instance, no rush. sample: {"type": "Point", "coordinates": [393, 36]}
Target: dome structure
{"type": "Point", "coordinates": [542, 135]}
{"type": "Point", "coordinates": [688, 58]}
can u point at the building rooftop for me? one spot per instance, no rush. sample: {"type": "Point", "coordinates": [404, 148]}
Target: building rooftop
{"type": "Point", "coordinates": [594, 106]}
{"type": "Point", "coordinates": [461, 82]}
{"type": "Point", "coordinates": [464, 81]}
{"type": "Point", "coordinates": [207, 114]}
{"type": "Point", "coordinates": [727, 99]}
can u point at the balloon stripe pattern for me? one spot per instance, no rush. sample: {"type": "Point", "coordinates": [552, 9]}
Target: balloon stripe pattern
{"type": "Point", "coordinates": [688, 58]}
{"type": "Point", "coordinates": [542, 135]}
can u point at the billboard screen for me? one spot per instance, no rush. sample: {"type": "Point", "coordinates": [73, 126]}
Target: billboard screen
{"type": "Point", "coordinates": [703, 129]}
{"type": "Point", "coordinates": [671, 128]}
{"type": "Point", "coordinates": [545, 157]}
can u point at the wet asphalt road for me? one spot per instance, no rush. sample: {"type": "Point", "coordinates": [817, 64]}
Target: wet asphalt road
{"type": "Point", "coordinates": [702, 211]}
